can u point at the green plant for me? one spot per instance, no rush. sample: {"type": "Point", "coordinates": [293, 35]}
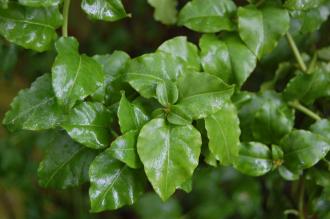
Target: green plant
{"type": "Point", "coordinates": [120, 122]}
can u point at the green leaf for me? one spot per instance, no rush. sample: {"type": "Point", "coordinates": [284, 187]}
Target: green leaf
{"type": "Point", "coordinates": [308, 87]}
{"type": "Point", "coordinates": [75, 76]}
{"type": "Point", "coordinates": [88, 123]}
{"type": "Point", "coordinates": [261, 29]}
{"type": "Point", "coordinates": [131, 117]}
{"type": "Point", "coordinates": [201, 94]}
{"type": "Point", "coordinates": [180, 48]}
{"type": "Point", "coordinates": [273, 120]}
{"type": "Point", "coordinates": [223, 133]}
{"type": "Point", "coordinates": [145, 72]}
{"type": "Point", "coordinates": [4, 3]}
{"type": "Point", "coordinates": [228, 58]}
{"type": "Point", "coordinates": [169, 154]}
{"type": "Point", "coordinates": [8, 57]}
{"type": "Point", "coordinates": [165, 10]}
{"type": "Point", "coordinates": [31, 28]}
{"type": "Point", "coordinates": [254, 159]}
{"type": "Point", "coordinates": [302, 4]}
{"type": "Point", "coordinates": [34, 108]}
{"type": "Point", "coordinates": [113, 184]}
{"type": "Point", "coordinates": [40, 3]}
{"type": "Point", "coordinates": [324, 53]}
{"type": "Point", "coordinates": [66, 163]}
{"type": "Point", "coordinates": [303, 149]}
{"type": "Point", "coordinates": [321, 127]}
{"type": "Point", "coordinates": [113, 67]}
{"type": "Point", "coordinates": [208, 16]}
{"type": "Point", "coordinates": [167, 93]}
{"type": "Point", "coordinates": [289, 174]}
{"type": "Point", "coordinates": [107, 10]}
{"type": "Point", "coordinates": [124, 149]}
{"type": "Point", "coordinates": [179, 116]}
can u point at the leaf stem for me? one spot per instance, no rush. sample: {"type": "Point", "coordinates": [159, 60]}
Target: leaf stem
{"type": "Point", "coordinates": [301, 198]}
{"type": "Point", "coordinates": [296, 52]}
{"type": "Point", "coordinates": [66, 8]}
{"type": "Point", "coordinates": [297, 105]}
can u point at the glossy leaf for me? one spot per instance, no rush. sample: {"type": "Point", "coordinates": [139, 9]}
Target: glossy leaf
{"type": "Point", "coordinates": [302, 4]}
{"type": "Point", "coordinates": [223, 133]}
{"type": "Point", "coordinates": [165, 10]}
{"type": "Point", "coordinates": [40, 3]}
{"type": "Point", "coordinates": [167, 93]}
{"type": "Point", "coordinates": [201, 94]}
{"type": "Point", "coordinates": [131, 117]}
{"type": "Point", "coordinates": [113, 184]}
{"type": "Point", "coordinates": [180, 48]}
{"type": "Point", "coordinates": [88, 123]}
{"type": "Point", "coordinates": [318, 84]}
{"type": "Point", "coordinates": [107, 10]}
{"type": "Point", "coordinates": [303, 149]}
{"type": "Point", "coordinates": [124, 149]}
{"type": "Point", "coordinates": [113, 67]}
{"type": "Point", "coordinates": [66, 163]}
{"type": "Point", "coordinates": [228, 58]}
{"type": "Point", "coordinates": [289, 174]}
{"type": "Point", "coordinates": [34, 108]}
{"type": "Point", "coordinates": [145, 72]}
{"type": "Point", "coordinates": [322, 128]}
{"type": "Point", "coordinates": [169, 154]}
{"type": "Point", "coordinates": [254, 159]}
{"type": "Point", "coordinates": [75, 76]}
{"type": "Point", "coordinates": [31, 28]}
{"type": "Point", "coordinates": [261, 29]}
{"type": "Point", "coordinates": [208, 16]}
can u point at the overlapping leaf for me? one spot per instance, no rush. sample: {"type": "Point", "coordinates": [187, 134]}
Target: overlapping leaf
{"type": "Point", "coordinates": [169, 154]}
{"type": "Point", "coordinates": [31, 28]}
{"type": "Point", "coordinates": [254, 159]}
{"type": "Point", "coordinates": [40, 3]}
{"type": "Point", "coordinates": [66, 163]}
{"type": "Point", "coordinates": [88, 123]}
{"type": "Point", "coordinates": [223, 133]}
{"type": "Point", "coordinates": [74, 76]}
{"type": "Point", "coordinates": [107, 10]}
{"type": "Point", "coordinates": [302, 4]}
{"type": "Point", "coordinates": [165, 10]}
{"type": "Point", "coordinates": [227, 57]}
{"type": "Point", "coordinates": [303, 149]}
{"type": "Point", "coordinates": [261, 29]}
{"type": "Point", "coordinates": [35, 108]}
{"type": "Point", "coordinates": [113, 184]}
{"type": "Point", "coordinates": [208, 16]}
{"type": "Point", "coordinates": [322, 128]}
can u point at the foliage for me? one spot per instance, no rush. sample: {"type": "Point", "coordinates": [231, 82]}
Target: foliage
{"type": "Point", "coordinates": [149, 119]}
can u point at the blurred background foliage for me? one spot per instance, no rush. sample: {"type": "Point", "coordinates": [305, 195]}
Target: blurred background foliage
{"type": "Point", "coordinates": [217, 192]}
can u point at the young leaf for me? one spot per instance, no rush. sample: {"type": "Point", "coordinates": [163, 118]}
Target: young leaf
{"type": "Point", "coordinates": [40, 3]}
{"type": "Point", "coordinates": [34, 108]}
{"type": "Point", "coordinates": [261, 29]}
{"type": "Point", "coordinates": [308, 87]}
{"type": "Point", "coordinates": [208, 16]}
{"type": "Point", "coordinates": [124, 149]}
{"type": "Point", "coordinates": [201, 94]}
{"type": "Point", "coordinates": [180, 48]}
{"type": "Point", "coordinates": [113, 67]}
{"type": "Point", "coordinates": [254, 159]}
{"type": "Point", "coordinates": [169, 154]}
{"type": "Point", "coordinates": [66, 163]}
{"type": "Point", "coordinates": [107, 10]}
{"type": "Point", "coordinates": [131, 117]}
{"type": "Point", "coordinates": [167, 93]}
{"type": "Point", "coordinates": [88, 123]}
{"type": "Point", "coordinates": [75, 76]}
{"type": "Point", "coordinates": [31, 28]}
{"type": "Point", "coordinates": [145, 72]}
{"type": "Point", "coordinates": [228, 58]}
{"type": "Point", "coordinates": [113, 184]}
{"type": "Point", "coordinates": [165, 10]}
{"type": "Point", "coordinates": [322, 127]}
{"type": "Point", "coordinates": [303, 149]}
{"type": "Point", "coordinates": [223, 133]}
